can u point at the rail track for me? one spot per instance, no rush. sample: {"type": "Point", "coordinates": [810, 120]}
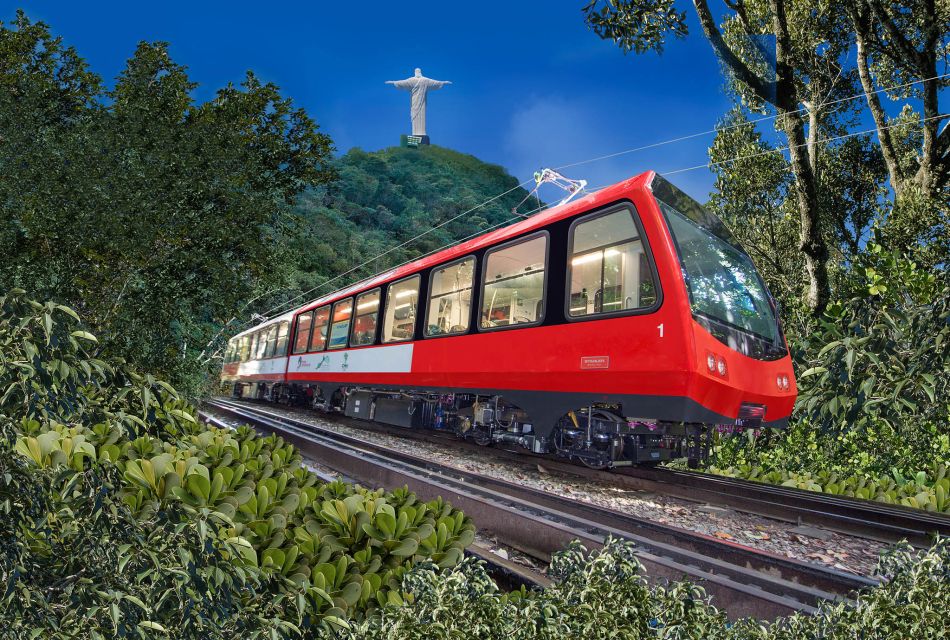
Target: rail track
{"type": "Point", "coordinates": [852, 516]}
{"type": "Point", "coordinates": [743, 581]}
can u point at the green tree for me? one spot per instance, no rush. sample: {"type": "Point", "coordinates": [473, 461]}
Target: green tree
{"type": "Point", "coordinates": [397, 203]}
{"type": "Point", "coordinates": [157, 217]}
{"type": "Point", "coordinates": [810, 44]}
{"type": "Point", "coordinates": [899, 43]}
{"type": "Point", "coordinates": [803, 75]}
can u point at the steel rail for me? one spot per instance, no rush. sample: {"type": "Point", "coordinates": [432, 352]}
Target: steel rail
{"type": "Point", "coordinates": [865, 518]}
{"type": "Point", "coordinates": [744, 581]}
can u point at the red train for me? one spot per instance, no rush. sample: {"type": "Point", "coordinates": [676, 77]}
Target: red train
{"type": "Point", "coordinates": [601, 330]}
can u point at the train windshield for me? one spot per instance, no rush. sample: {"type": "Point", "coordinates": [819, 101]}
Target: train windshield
{"type": "Point", "coordinates": [726, 293]}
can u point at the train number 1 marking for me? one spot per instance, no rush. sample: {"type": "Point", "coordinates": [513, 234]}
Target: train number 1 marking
{"type": "Point", "coordinates": [660, 327]}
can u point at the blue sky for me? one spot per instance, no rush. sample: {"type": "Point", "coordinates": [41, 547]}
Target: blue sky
{"type": "Point", "coordinates": [532, 86]}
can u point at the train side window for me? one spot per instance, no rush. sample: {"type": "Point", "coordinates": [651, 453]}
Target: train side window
{"type": "Point", "coordinates": [252, 351]}
{"type": "Point", "coordinates": [271, 347]}
{"type": "Point", "coordinates": [261, 345]}
{"type": "Point", "coordinates": [340, 329]}
{"type": "Point", "coordinates": [243, 349]}
{"type": "Point", "coordinates": [450, 298]}
{"type": "Point", "coordinates": [302, 338]}
{"type": "Point", "coordinates": [321, 322]}
{"type": "Point", "coordinates": [608, 268]}
{"type": "Point", "coordinates": [282, 335]}
{"type": "Point", "coordinates": [402, 300]}
{"type": "Point", "coordinates": [513, 284]}
{"type": "Point", "coordinates": [364, 322]}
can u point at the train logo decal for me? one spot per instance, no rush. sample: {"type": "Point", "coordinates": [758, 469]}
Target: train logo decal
{"type": "Point", "coordinates": [382, 359]}
{"type": "Point", "coordinates": [595, 362]}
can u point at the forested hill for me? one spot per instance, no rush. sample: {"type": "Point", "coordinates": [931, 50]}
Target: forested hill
{"type": "Point", "coordinates": [384, 198]}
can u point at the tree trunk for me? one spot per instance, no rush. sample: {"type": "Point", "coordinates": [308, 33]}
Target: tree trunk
{"type": "Point", "coordinates": [785, 100]}
{"type": "Point", "coordinates": [860, 21]}
{"type": "Point", "coordinates": [811, 242]}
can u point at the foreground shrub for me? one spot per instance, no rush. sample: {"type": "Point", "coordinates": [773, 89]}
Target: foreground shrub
{"type": "Point", "coordinates": [873, 416]}
{"type": "Point", "coordinates": [602, 594]}
{"type": "Point", "coordinates": [131, 516]}
{"type": "Point", "coordinates": [880, 357]}
{"type": "Point", "coordinates": [806, 458]}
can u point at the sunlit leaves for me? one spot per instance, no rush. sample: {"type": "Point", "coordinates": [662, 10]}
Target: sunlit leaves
{"type": "Point", "coordinates": [636, 25]}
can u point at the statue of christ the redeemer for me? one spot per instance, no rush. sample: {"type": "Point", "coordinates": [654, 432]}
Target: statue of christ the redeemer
{"type": "Point", "coordinates": [419, 86]}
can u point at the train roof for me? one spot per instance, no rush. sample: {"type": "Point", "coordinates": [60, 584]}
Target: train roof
{"type": "Point", "coordinates": [541, 219]}
{"type": "Point", "coordinates": [288, 315]}
{"type": "Point", "coordinates": [596, 199]}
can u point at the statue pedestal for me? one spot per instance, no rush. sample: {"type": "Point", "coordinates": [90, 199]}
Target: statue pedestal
{"type": "Point", "coordinates": [407, 140]}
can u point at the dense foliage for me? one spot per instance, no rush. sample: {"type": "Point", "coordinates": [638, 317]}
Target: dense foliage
{"type": "Point", "coordinates": [873, 416]}
{"type": "Point", "coordinates": [123, 516]}
{"type": "Point", "coordinates": [602, 594]}
{"type": "Point", "coordinates": [157, 217]}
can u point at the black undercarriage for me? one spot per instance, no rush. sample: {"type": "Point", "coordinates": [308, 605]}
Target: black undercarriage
{"type": "Point", "coordinates": [598, 435]}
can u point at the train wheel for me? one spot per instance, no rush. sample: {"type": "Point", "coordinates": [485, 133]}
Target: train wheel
{"type": "Point", "coordinates": [599, 464]}
{"type": "Point", "coordinates": [482, 436]}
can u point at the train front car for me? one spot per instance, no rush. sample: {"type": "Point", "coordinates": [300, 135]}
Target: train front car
{"type": "Point", "coordinates": [670, 333]}
{"type": "Point", "coordinates": [741, 371]}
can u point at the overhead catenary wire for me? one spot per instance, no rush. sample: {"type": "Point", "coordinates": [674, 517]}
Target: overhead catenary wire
{"type": "Point", "coordinates": [700, 134]}
{"type": "Point", "coordinates": [710, 165]}
{"type": "Point", "coordinates": [269, 313]}
{"type": "Point", "coordinates": [398, 246]}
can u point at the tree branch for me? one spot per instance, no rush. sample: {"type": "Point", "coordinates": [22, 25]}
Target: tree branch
{"type": "Point", "coordinates": [739, 7]}
{"type": "Point", "coordinates": [861, 22]}
{"type": "Point", "coordinates": [904, 45]}
{"type": "Point", "coordinates": [729, 58]}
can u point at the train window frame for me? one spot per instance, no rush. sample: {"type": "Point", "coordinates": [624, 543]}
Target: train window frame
{"type": "Point", "coordinates": [544, 233]}
{"type": "Point", "coordinates": [282, 327]}
{"type": "Point", "coordinates": [415, 320]}
{"type": "Point", "coordinates": [262, 344]}
{"type": "Point", "coordinates": [271, 341]}
{"type": "Point", "coordinates": [647, 250]}
{"type": "Point", "coordinates": [306, 346]}
{"type": "Point", "coordinates": [346, 342]}
{"type": "Point", "coordinates": [313, 325]}
{"type": "Point", "coordinates": [356, 315]}
{"type": "Point", "coordinates": [259, 345]}
{"type": "Point", "coordinates": [432, 270]}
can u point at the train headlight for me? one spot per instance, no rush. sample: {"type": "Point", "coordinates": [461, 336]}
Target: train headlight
{"type": "Point", "coordinates": [711, 363]}
{"type": "Point", "coordinates": [721, 366]}
{"type": "Point", "coordinates": [785, 382]}
{"type": "Point", "coordinates": [778, 382]}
